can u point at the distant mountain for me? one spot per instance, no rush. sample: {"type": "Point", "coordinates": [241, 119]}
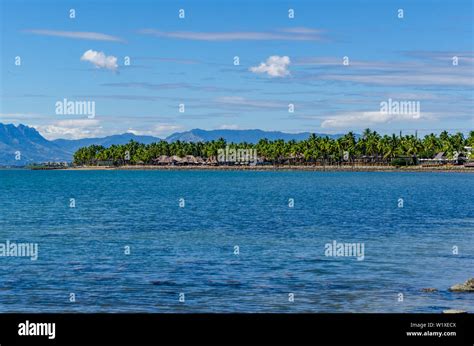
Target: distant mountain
{"type": "Point", "coordinates": [21, 145]}
{"type": "Point", "coordinates": [71, 145]}
{"type": "Point", "coordinates": [238, 136]}
{"type": "Point", "coordinates": [34, 148]}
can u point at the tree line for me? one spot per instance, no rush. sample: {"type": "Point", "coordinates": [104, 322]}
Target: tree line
{"type": "Point", "coordinates": [349, 147]}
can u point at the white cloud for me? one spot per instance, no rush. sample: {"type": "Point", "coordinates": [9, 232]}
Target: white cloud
{"type": "Point", "coordinates": [96, 36]}
{"type": "Point", "coordinates": [71, 129]}
{"type": "Point", "coordinates": [365, 119]}
{"type": "Point", "coordinates": [275, 66]}
{"type": "Point", "coordinates": [157, 130]}
{"type": "Point", "coordinates": [229, 127]}
{"type": "Point", "coordinates": [100, 60]}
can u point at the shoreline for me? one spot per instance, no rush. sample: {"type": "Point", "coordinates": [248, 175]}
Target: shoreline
{"type": "Point", "coordinates": [270, 168]}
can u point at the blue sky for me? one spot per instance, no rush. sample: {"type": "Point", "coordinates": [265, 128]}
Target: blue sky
{"type": "Point", "coordinates": [190, 61]}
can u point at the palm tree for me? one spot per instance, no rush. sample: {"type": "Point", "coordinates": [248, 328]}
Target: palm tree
{"type": "Point", "coordinates": [311, 150]}
{"type": "Point", "coordinates": [470, 139]}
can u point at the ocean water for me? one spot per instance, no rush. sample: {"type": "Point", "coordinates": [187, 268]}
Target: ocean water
{"type": "Point", "coordinates": [191, 249]}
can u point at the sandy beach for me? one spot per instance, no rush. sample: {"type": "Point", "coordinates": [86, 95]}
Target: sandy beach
{"type": "Point", "coordinates": [456, 169]}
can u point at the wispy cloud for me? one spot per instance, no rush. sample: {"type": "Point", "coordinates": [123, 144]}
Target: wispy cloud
{"type": "Point", "coordinates": [388, 73]}
{"type": "Point", "coordinates": [170, 60]}
{"type": "Point", "coordinates": [19, 117]}
{"type": "Point", "coordinates": [170, 86]}
{"type": "Point", "coordinates": [82, 35]}
{"type": "Point", "coordinates": [325, 62]}
{"type": "Point", "coordinates": [405, 79]}
{"type": "Point", "coordinates": [464, 57]}
{"type": "Point", "coordinates": [249, 103]}
{"type": "Point", "coordinates": [128, 97]}
{"type": "Point", "coordinates": [364, 119]}
{"type": "Point", "coordinates": [302, 30]}
{"type": "Point", "coordinates": [292, 34]}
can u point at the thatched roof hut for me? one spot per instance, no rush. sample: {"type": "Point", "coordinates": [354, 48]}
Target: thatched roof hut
{"type": "Point", "coordinates": [177, 160]}
{"type": "Point", "coordinates": [212, 160]}
{"type": "Point", "coordinates": [192, 160]}
{"type": "Point", "coordinates": [162, 160]}
{"type": "Point", "coordinates": [439, 157]}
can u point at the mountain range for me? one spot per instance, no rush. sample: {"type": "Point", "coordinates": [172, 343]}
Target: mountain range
{"type": "Point", "coordinates": [21, 145]}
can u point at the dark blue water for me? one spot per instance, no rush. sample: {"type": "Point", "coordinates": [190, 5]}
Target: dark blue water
{"type": "Point", "coordinates": [190, 250]}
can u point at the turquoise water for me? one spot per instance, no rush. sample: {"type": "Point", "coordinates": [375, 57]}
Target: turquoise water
{"type": "Point", "coordinates": [190, 250]}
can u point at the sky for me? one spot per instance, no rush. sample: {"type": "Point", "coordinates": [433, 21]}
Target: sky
{"type": "Point", "coordinates": [292, 74]}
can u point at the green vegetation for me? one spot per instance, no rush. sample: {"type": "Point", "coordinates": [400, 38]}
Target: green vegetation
{"type": "Point", "coordinates": [402, 161]}
{"type": "Point", "coordinates": [370, 147]}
